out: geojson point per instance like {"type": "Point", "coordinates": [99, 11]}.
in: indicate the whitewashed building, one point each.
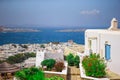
{"type": "Point", "coordinates": [105, 42]}
{"type": "Point", "coordinates": [46, 54]}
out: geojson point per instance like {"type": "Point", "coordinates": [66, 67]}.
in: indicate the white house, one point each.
{"type": "Point", "coordinates": [58, 55]}
{"type": "Point", "coordinates": [105, 42]}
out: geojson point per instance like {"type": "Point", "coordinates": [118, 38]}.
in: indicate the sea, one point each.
{"type": "Point", "coordinates": [45, 36]}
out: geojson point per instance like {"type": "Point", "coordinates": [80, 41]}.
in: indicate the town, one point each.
{"type": "Point", "coordinates": [8, 50]}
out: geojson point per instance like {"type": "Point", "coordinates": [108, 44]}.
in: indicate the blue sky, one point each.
{"type": "Point", "coordinates": [59, 12]}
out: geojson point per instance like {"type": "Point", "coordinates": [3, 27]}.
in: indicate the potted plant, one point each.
{"type": "Point", "coordinates": [70, 59]}
{"type": "Point", "coordinates": [73, 60]}
{"type": "Point", "coordinates": [59, 66]}
{"type": "Point", "coordinates": [49, 63]}
{"type": "Point", "coordinates": [94, 66]}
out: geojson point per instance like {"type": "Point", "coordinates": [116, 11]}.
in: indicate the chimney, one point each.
{"type": "Point", "coordinates": [114, 24]}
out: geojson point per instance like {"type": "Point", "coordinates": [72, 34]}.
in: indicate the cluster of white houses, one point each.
{"type": "Point", "coordinates": [100, 41]}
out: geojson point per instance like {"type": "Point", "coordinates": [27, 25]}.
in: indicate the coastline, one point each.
{"type": "Point", "coordinates": [71, 30]}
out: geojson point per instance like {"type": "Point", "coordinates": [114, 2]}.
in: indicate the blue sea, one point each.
{"type": "Point", "coordinates": [47, 35]}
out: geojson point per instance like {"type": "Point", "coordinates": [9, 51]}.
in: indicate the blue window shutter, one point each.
{"type": "Point", "coordinates": [107, 51]}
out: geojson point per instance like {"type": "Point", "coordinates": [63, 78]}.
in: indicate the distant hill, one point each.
{"type": "Point", "coordinates": [71, 30]}
{"type": "Point", "coordinates": [1, 28]}
{"type": "Point", "coordinates": [11, 29]}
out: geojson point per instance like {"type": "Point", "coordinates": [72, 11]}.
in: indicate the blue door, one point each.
{"type": "Point", "coordinates": [107, 52]}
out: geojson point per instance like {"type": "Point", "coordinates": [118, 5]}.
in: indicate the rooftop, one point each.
{"type": "Point", "coordinates": [103, 31]}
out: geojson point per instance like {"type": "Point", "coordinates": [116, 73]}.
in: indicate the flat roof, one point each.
{"type": "Point", "coordinates": [103, 31]}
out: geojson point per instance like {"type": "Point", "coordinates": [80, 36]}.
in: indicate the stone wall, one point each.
{"type": "Point", "coordinates": [56, 56]}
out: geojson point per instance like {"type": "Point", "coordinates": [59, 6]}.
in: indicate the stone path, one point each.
{"type": "Point", "coordinates": [74, 73]}
{"type": "Point", "coordinates": [113, 76]}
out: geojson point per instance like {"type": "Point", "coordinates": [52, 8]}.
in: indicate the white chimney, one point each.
{"type": "Point", "coordinates": [114, 24]}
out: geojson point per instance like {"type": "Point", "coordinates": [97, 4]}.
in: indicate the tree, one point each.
{"type": "Point", "coordinates": [42, 46]}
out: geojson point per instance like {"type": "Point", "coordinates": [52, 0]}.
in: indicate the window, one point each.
{"type": "Point", "coordinates": [92, 45]}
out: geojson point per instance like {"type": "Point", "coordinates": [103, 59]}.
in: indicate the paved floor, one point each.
{"type": "Point", "coordinates": [113, 76]}
{"type": "Point", "coordinates": [74, 73]}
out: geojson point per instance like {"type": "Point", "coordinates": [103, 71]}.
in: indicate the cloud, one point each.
{"type": "Point", "coordinates": [90, 12]}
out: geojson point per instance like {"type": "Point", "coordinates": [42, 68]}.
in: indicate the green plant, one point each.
{"type": "Point", "coordinates": [94, 66]}
{"type": "Point", "coordinates": [65, 57]}
{"type": "Point", "coordinates": [23, 46]}
{"type": "Point", "coordinates": [54, 78]}
{"type": "Point", "coordinates": [49, 63]}
{"type": "Point", "coordinates": [1, 61]}
{"type": "Point", "coordinates": [30, 74]}
{"type": "Point", "coordinates": [59, 66]}
{"type": "Point", "coordinates": [73, 61]}
{"type": "Point", "coordinates": [18, 58]}
{"type": "Point", "coordinates": [77, 61]}
{"type": "Point", "coordinates": [42, 46]}
{"type": "Point", "coordinates": [70, 59]}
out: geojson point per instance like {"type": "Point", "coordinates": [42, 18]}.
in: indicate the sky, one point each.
{"type": "Point", "coordinates": [57, 13]}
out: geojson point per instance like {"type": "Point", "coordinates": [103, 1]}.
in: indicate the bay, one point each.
{"type": "Point", "coordinates": [40, 37]}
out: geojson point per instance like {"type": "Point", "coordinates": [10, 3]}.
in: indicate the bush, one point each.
{"type": "Point", "coordinates": [42, 46]}
{"type": "Point", "coordinates": [77, 61]}
{"type": "Point", "coordinates": [18, 58]}
{"type": "Point", "coordinates": [49, 63]}
{"type": "Point", "coordinates": [59, 66]}
{"type": "Point", "coordinates": [70, 59]}
{"type": "Point", "coordinates": [30, 74]}
{"type": "Point", "coordinates": [94, 66]}
{"type": "Point", "coordinates": [54, 78]}
{"type": "Point", "coordinates": [65, 57]}
{"type": "Point", "coordinates": [1, 61]}
{"type": "Point", "coordinates": [73, 61]}
{"type": "Point", "coordinates": [23, 46]}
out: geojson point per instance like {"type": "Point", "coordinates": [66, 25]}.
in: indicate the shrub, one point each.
{"type": "Point", "coordinates": [73, 61]}
{"type": "Point", "coordinates": [49, 63]}
{"type": "Point", "coordinates": [94, 66]}
{"type": "Point", "coordinates": [54, 78]}
{"type": "Point", "coordinates": [70, 59]}
{"type": "Point", "coordinates": [77, 61]}
{"type": "Point", "coordinates": [59, 66]}
{"type": "Point", "coordinates": [23, 46]}
{"type": "Point", "coordinates": [30, 74]}
{"type": "Point", "coordinates": [42, 46]}
{"type": "Point", "coordinates": [65, 57]}
{"type": "Point", "coordinates": [18, 58]}
{"type": "Point", "coordinates": [1, 61]}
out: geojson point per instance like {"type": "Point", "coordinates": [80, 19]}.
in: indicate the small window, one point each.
{"type": "Point", "coordinates": [107, 51]}
{"type": "Point", "coordinates": [89, 44]}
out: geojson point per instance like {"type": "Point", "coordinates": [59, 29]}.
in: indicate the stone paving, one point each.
{"type": "Point", "coordinates": [74, 73]}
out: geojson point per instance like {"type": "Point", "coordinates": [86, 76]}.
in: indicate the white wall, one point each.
{"type": "Point", "coordinates": [88, 35]}
{"type": "Point", "coordinates": [41, 55]}
{"type": "Point", "coordinates": [113, 39]}
{"type": "Point", "coordinates": [56, 56]}
{"type": "Point", "coordinates": [39, 58]}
